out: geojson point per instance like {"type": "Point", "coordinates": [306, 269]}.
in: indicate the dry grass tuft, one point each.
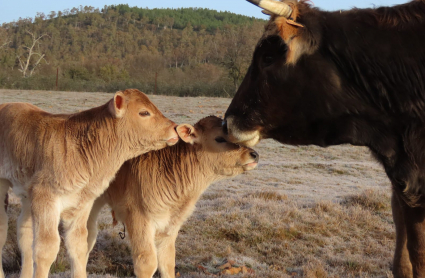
{"type": "Point", "coordinates": [270, 196]}
{"type": "Point", "coordinates": [315, 269]}
{"type": "Point", "coordinates": [371, 199]}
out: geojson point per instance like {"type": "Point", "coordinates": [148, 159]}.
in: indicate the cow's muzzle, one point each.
{"type": "Point", "coordinates": [236, 135]}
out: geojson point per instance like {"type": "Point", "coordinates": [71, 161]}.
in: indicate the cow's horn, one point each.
{"type": "Point", "coordinates": [266, 12]}
{"type": "Point", "coordinates": [277, 8]}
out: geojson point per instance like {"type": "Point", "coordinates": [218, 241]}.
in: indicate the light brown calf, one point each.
{"type": "Point", "coordinates": [59, 164]}
{"type": "Point", "coordinates": [155, 193]}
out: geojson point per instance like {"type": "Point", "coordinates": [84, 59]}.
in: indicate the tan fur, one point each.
{"type": "Point", "coordinates": [59, 164]}
{"type": "Point", "coordinates": [288, 30]}
{"type": "Point", "coordinates": [155, 193]}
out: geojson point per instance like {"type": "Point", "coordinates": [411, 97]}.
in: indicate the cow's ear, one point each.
{"type": "Point", "coordinates": [296, 35]}
{"type": "Point", "coordinates": [118, 105]}
{"type": "Point", "coordinates": [187, 133]}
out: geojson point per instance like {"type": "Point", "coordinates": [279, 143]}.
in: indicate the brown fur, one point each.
{"type": "Point", "coordinates": [59, 164]}
{"type": "Point", "coordinates": [387, 16]}
{"type": "Point", "coordinates": [155, 193]}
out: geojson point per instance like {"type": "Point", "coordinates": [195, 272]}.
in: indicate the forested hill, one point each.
{"type": "Point", "coordinates": [190, 51]}
{"type": "Point", "coordinates": [199, 18]}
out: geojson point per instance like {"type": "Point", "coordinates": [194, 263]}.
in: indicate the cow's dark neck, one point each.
{"type": "Point", "coordinates": [379, 55]}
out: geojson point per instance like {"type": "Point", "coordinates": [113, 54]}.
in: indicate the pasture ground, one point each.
{"type": "Point", "coordinates": [304, 212]}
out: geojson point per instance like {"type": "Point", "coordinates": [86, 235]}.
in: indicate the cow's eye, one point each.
{"type": "Point", "coordinates": [144, 114]}
{"type": "Point", "coordinates": [268, 60]}
{"type": "Point", "coordinates": [220, 140]}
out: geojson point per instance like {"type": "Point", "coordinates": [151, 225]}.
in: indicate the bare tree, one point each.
{"type": "Point", "coordinates": [26, 62]}
{"type": "Point", "coordinates": [4, 39]}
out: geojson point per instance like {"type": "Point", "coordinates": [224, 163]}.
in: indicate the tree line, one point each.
{"type": "Point", "coordinates": [186, 52]}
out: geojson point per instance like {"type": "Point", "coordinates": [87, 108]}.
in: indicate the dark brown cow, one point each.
{"type": "Point", "coordinates": [357, 77]}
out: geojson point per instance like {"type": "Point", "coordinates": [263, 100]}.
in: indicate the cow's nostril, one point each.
{"type": "Point", "coordinates": [255, 155]}
{"type": "Point", "coordinates": [224, 125]}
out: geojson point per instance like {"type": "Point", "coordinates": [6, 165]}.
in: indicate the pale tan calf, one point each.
{"type": "Point", "coordinates": [59, 164]}
{"type": "Point", "coordinates": [155, 193]}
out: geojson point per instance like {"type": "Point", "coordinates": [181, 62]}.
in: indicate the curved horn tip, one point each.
{"type": "Point", "coordinates": [255, 2]}
{"type": "Point", "coordinates": [275, 7]}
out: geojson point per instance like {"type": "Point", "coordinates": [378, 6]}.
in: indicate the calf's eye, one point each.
{"type": "Point", "coordinates": [144, 114]}
{"type": "Point", "coordinates": [220, 140]}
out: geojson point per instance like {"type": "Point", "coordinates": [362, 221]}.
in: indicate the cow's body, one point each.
{"type": "Point", "coordinates": [155, 193]}
{"type": "Point", "coordinates": [59, 164]}
{"type": "Point", "coordinates": [41, 145]}
{"type": "Point", "coordinates": [354, 77]}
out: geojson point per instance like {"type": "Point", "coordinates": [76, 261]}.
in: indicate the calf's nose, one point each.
{"type": "Point", "coordinates": [174, 138]}
{"type": "Point", "coordinates": [255, 155]}
{"type": "Point", "coordinates": [224, 125]}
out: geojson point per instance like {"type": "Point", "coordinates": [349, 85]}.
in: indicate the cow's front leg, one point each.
{"type": "Point", "coordinates": [402, 268]}
{"type": "Point", "coordinates": [142, 238]}
{"type": "Point", "coordinates": [76, 240]}
{"type": "Point", "coordinates": [414, 219]}
{"type": "Point", "coordinates": [167, 254]}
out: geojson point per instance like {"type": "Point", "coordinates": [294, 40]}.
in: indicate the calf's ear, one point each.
{"type": "Point", "coordinates": [118, 105]}
{"type": "Point", "coordinates": [187, 133]}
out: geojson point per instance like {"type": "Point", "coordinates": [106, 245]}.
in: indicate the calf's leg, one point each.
{"type": "Point", "coordinates": [76, 241]}
{"type": "Point", "coordinates": [92, 222]}
{"type": "Point", "coordinates": [167, 255]}
{"type": "Point", "coordinates": [46, 216]}
{"type": "Point", "coordinates": [142, 238]}
{"type": "Point", "coordinates": [25, 238]}
{"type": "Point", "coordinates": [4, 187]}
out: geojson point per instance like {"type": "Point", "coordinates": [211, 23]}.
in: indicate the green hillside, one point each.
{"type": "Point", "coordinates": [199, 18]}
{"type": "Point", "coordinates": [188, 51]}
